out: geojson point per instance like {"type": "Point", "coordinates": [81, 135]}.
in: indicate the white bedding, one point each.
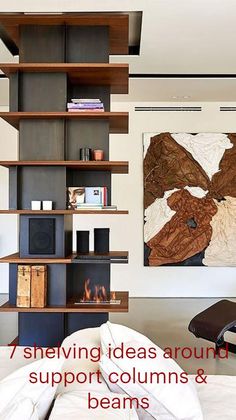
{"type": "Point", "coordinates": [218, 397]}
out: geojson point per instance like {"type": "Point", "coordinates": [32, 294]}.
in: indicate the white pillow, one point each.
{"type": "Point", "coordinates": [74, 405]}
{"type": "Point", "coordinates": [90, 339]}
{"type": "Point", "coordinates": [16, 387]}
{"type": "Point", "coordinates": [167, 401]}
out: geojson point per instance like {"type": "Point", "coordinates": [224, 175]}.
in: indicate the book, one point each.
{"type": "Point", "coordinates": [85, 100]}
{"type": "Point", "coordinates": [75, 196]}
{"type": "Point", "coordinates": [95, 195]}
{"type": "Point", "coordinates": [71, 105]}
{"type": "Point", "coordinates": [86, 197]}
{"type": "Point", "coordinates": [86, 110]}
{"type": "Point", "coordinates": [109, 207]}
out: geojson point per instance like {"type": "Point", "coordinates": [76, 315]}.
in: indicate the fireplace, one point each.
{"type": "Point", "coordinates": [95, 294]}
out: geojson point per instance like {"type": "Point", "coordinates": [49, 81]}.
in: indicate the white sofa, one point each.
{"type": "Point", "coordinates": [217, 397]}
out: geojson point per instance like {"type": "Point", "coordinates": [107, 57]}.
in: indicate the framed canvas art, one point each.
{"type": "Point", "coordinates": [189, 199]}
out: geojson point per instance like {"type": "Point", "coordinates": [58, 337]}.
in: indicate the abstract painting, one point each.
{"type": "Point", "coordinates": [189, 199]}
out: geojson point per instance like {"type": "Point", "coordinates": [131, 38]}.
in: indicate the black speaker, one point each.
{"type": "Point", "coordinates": [42, 236]}
{"type": "Point", "coordinates": [82, 237]}
{"type": "Point", "coordinates": [101, 240]}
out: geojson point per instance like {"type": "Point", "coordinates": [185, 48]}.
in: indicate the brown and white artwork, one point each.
{"type": "Point", "coordinates": [189, 199]}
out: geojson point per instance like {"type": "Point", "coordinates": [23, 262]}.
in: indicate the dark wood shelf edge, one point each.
{"type": "Point", "coordinates": [113, 255]}
{"type": "Point", "coordinates": [116, 167]}
{"type": "Point", "coordinates": [72, 308]}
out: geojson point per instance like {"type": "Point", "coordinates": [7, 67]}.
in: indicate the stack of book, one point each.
{"type": "Point", "coordinates": [85, 105]}
{"type": "Point", "coordinates": [88, 198]}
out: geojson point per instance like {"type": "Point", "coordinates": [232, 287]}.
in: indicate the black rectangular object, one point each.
{"type": "Point", "coordinates": [42, 44]}
{"type": "Point", "coordinates": [101, 240]}
{"type": "Point", "coordinates": [63, 236]}
{"type": "Point", "coordinates": [42, 236]}
{"type": "Point", "coordinates": [87, 44]}
{"type": "Point", "coordinates": [14, 188]}
{"type": "Point", "coordinates": [82, 241]}
{"type": "Point", "coordinates": [98, 274]}
{"type": "Point", "coordinates": [41, 329]}
{"type": "Point", "coordinates": [75, 322]}
{"type": "Point", "coordinates": [12, 283]}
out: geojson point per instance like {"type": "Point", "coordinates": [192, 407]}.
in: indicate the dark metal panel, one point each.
{"type": "Point", "coordinates": [42, 183]}
{"type": "Point", "coordinates": [12, 283]}
{"type": "Point", "coordinates": [87, 44]}
{"type": "Point", "coordinates": [41, 139]}
{"type": "Point", "coordinates": [86, 91]}
{"type": "Point", "coordinates": [14, 92]}
{"type": "Point", "coordinates": [13, 188]}
{"type": "Point", "coordinates": [41, 329]}
{"type": "Point", "coordinates": [43, 92]}
{"type": "Point", "coordinates": [75, 322]}
{"type": "Point", "coordinates": [42, 44]}
{"type": "Point", "coordinates": [59, 241]}
{"type": "Point", "coordinates": [92, 133]}
{"type": "Point", "coordinates": [90, 179]}
{"type": "Point", "coordinates": [56, 294]}
{"type": "Point", "coordinates": [68, 230]}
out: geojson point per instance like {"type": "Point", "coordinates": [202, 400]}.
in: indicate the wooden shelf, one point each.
{"type": "Point", "coordinates": [117, 167]}
{"type": "Point", "coordinates": [15, 259]}
{"type": "Point", "coordinates": [112, 255]}
{"type": "Point", "coordinates": [118, 25]}
{"type": "Point", "coordinates": [118, 121]}
{"type": "Point", "coordinates": [114, 75]}
{"type": "Point", "coordinates": [71, 307]}
{"type": "Point", "coordinates": [55, 212]}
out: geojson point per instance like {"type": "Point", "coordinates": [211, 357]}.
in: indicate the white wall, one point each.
{"type": "Point", "coordinates": [127, 231]}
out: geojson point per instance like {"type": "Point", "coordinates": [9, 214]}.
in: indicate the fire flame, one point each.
{"type": "Point", "coordinates": [98, 294]}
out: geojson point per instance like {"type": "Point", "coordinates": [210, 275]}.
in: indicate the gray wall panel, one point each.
{"type": "Point", "coordinates": [41, 139]}
{"type": "Point", "coordinates": [87, 44]}
{"type": "Point", "coordinates": [43, 92]}
{"type": "Point", "coordinates": [42, 44]}
{"type": "Point", "coordinates": [42, 183]}
{"type": "Point", "coordinates": [92, 133]}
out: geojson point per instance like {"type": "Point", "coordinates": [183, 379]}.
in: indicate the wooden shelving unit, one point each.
{"type": "Point", "coordinates": [93, 74]}
{"type": "Point", "coordinates": [72, 307]}
{"type": "Point", "coordinates": [118, 121]}
{"type": "Point", "coordinates": [51, 71]}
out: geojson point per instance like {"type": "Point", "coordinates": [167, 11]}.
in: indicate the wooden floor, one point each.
{"type": "Point", "coordinates": [164, 321]}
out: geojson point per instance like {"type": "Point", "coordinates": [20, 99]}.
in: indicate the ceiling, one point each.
{"type": "Point", "coordinates": [185, 37]}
